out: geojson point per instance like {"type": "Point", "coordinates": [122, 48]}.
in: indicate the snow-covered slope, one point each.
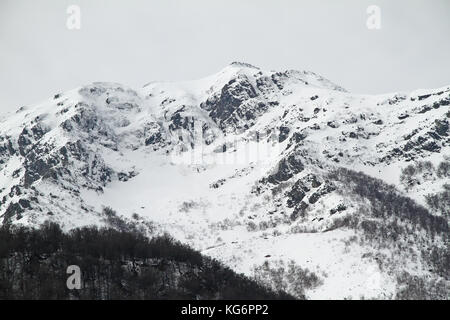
{"type": "Point", "coordinates": [249, 166]}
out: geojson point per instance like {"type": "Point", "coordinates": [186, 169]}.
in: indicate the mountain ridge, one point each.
{"type": "Point", "coordinates": [241, 159]}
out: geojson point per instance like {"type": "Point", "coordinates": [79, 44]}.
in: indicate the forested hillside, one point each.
{"type": "Point", "coordinates": [114, 265]}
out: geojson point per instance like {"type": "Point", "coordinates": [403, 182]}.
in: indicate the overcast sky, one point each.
{"type": "Point", "coordinates": [134, 42]}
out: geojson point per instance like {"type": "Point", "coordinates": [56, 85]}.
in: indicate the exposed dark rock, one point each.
{"type": "Point", "coordinates": [378, 122]}
{"type": "Point", "coordinates": [296, 138]}
{"type": "Point", "coordinates": [332, 124]}
{"type": "Point", "coordinates": [284, 133]}
{"type": "Point", "coordinates": [339, 208]}
{"type": "Point", "coordinates": [299, 211]}
{"type": "Point", "coordinates": [14, 210]}
{"type": "Point", "coordinates": [287, 168]}
{"type": "Point", "coordinates": [314, 197]}
{"type": "Point", "coordinates": [36, 170]}
{"type": "Point", "coordinates": [297, 193]}
{"type": "Point", "coordinates": [425, 96]}
{"type": "Point", "coordinates": [24, 203]}
{"type": "Point", "coordinates": [236, 101]}
{"type": "Point", "coordinates": [425, 109]}
{"type": "Point", "coordinates": [431, 146]}
{"type": "Point", "coordinates": [325, 189]}
{"type": "Point", "coordinates": [442, 127]}
{"type": "Point", "coordinates": [125, 176]}
{"type": "Point", "coordinates": [153, 139]}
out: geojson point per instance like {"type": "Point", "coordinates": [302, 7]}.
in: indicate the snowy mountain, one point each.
{"type": "Point", "coordinates": [269, 172]}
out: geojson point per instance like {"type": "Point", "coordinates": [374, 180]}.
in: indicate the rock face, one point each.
{"type": "Point", "coordinates": [233, 160]}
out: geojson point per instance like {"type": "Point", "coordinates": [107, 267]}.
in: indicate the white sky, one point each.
{"type": "Point", "coordinates": [134, 42]}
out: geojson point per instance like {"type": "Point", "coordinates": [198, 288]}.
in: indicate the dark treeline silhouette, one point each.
{"type": "Point", "coordinates": [393, 216]}
{"type": "Point", "coordinates": [440, 201]}
{"type": "Point", "coordinates": [387, 202]}
{"type": "Point", "coordinates": [114, 265]}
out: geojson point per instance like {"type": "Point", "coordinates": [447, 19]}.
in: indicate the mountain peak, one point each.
{"type": "Point", "coordinates": [243, 65]}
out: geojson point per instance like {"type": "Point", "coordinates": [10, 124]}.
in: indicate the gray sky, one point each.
{"type": "Point", "coordinates": [134, 42]}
